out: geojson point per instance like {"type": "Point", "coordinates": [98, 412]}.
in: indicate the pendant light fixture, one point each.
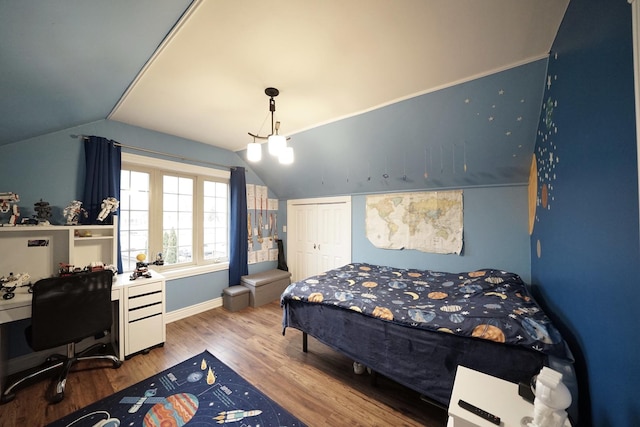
{"type": "Point", "coordinates": [254, 151]}
{"type": "Point", "coordinates": [277, 144]}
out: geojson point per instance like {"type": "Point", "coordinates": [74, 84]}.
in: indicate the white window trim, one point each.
{"type": "Point", "coordinates": [174, 166]}
{"type": "Point", "coordinates": [155, 163]}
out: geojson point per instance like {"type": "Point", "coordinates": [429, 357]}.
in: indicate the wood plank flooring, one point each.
{"type": "Point", "coordinates": [318, 387]}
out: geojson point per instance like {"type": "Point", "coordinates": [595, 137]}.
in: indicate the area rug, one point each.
{"type": "Point", "coordinates": [201, 391]}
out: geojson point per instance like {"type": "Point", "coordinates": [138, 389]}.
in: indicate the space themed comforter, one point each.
{"type": "Point", "coordinates": [484, 304]}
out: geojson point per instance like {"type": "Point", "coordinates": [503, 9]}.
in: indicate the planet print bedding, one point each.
{"type": "Point", "coordinates": [485, 304]}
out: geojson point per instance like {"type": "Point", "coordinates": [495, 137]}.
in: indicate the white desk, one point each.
{"type": "Point", "coordinates": [122, 292]}
{"type": "Point", "coordinates": [19, 307]}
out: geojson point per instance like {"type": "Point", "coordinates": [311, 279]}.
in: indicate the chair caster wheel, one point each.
{"type": "Point", "coordinates": [57, 398]}
{"type": "Point", "coordinates": [6, 398]}
{"type": "Point", "coordinates": [117, 364]}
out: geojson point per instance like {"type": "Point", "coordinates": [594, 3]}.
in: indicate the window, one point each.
{"type": "Point", "coordinates": [174, 210]}
{"type": "Point", "coordinates": [177, 219]}
{"type": "Point", "coordinates": [134, 216]}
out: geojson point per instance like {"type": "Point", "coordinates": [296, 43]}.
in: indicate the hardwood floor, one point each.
{"type": "Point", "coordinates": [318, 387]}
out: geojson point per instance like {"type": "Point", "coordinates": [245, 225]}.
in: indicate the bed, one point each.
{"type": "Point", "coordinates": [416, 326]}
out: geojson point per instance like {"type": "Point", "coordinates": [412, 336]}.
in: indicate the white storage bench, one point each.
{"type": "Point", "coordinates": [266, 286]}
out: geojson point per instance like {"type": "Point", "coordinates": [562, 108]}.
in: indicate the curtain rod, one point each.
{"type": "Point", "coordinates": [146, 150]}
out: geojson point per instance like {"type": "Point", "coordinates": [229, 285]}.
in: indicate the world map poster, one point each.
{"type": "Point", "coordinates": [429, 221]}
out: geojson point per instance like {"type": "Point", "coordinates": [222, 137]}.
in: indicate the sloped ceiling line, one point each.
{"type": "Point", "coordinates": [330, 60]}
{"type": "Point", "coordinates": [165, 42]}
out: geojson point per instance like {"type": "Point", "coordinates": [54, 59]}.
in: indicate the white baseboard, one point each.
{"type": "Point", "coordinates": [182, 313]}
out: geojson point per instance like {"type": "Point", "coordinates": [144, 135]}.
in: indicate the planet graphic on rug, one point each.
{"type": "Point", "coordinates": [176, 411]}
{"type": "Point", "coordinates": [194, 377]}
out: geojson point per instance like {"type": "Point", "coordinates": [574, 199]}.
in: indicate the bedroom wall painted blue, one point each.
{"type": "Point", "coordinates": [495, 235]}
{"type": "Point", "coordinates": [588, 266]}
{"type": "Point", "coordinates": [51, 167]}
{"type": "Point", "coordinates": [477, 133]}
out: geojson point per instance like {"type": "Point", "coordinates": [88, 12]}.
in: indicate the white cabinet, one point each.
{"type": "Point", "coordinates": [319, 235]}
{"type": "Point", "coordinates": [143, 310]}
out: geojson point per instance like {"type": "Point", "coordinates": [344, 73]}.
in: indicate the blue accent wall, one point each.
{"type": "Point", "coordinates": [495, 235]}
{"type": "Point", "coordinates": [585, 250]}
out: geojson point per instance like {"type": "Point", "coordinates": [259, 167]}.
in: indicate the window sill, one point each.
{"type": "Point", "coordinates": [181, 273]}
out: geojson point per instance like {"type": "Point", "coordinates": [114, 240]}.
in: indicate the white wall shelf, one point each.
{"type": "Point", "coordinates": [39, 250]}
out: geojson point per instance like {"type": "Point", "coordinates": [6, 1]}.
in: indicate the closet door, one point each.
{"type": "Point", "coordinates": [303, 233]}
{"type": "Point", "coordinates": [319, 235]}
{"type": "Point", "coordinates": [334, 236]}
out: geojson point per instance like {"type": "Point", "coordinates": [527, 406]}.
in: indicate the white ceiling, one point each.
{"type": "Point", "coordinates": [330, 59]}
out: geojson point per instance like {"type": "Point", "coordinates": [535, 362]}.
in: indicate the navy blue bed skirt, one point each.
{"type": "Point", "coordinates": [423, 360]}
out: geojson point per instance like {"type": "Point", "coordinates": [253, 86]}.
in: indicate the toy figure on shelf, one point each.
{"type": "Point", "coordinates": [109, 205]}
{"type": "Point", "coordinates": [73, 211]}
{"type": "Point", "coordinates": [69, 269]}
{"type": "Point", "coordinates": [98, 266]}
{"type": "Point", "coordinates": [9, 203]}
{"type": "Point", "coordinates": [113, 269]}
{"type": "Point", "coordinates": [142, 268]}
{"type": "Point", "coordinates": [159, 260]}
{"type": "Point", "coordinates": [43, 212]}
{"type": "Point", "coordinates": [65, 269]}
{"type": "Point", "coordinates": [9, 284]}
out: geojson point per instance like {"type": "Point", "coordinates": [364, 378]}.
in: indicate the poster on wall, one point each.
{"type": "Point", "coordinates": [251, 196]}
{"type": "Point", "coordinates": [262, 224]}
{"type": "Point", "coordinates": [428, 221]}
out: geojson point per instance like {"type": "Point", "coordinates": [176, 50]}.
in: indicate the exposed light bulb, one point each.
{"type": "Point", "coordinates": [254, 152]}
{"type": "Point", "coordinates": [277, 143]}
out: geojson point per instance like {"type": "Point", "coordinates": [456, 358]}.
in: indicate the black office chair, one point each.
{"type": "Point", "coordinates": [64, 311]}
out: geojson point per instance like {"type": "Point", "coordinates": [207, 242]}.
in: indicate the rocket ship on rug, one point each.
{"type": "Point", "coordinates": [235, 415]}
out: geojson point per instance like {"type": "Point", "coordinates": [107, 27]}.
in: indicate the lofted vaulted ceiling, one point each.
{"type": "Point", "coordinates": [198, 70]}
